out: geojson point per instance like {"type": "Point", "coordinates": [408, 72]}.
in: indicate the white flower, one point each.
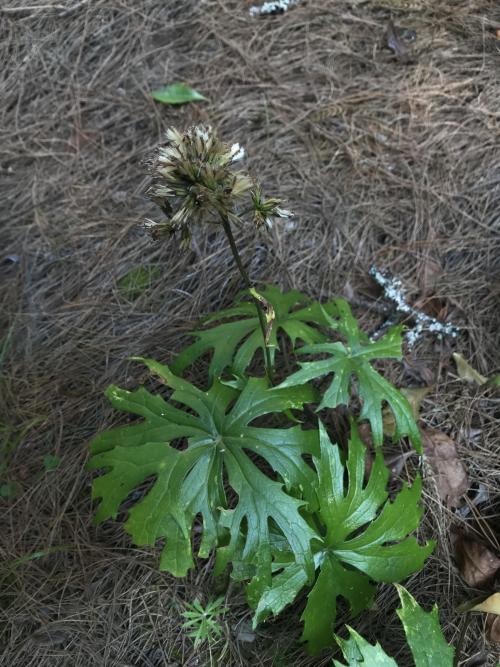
{"type": "Point", "coordinates": [237, 152]}
{"type": "Point", "coordinates": [283, 213]}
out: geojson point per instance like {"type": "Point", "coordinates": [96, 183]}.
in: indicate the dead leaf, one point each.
{"type": "Point", "coordinates": [431, 272]}
{"type": "Point", "coordinates": [415, 396]}
{"type": "Point", "coordinates": [395, 44]}
{"type": "Point", "coordinates": [449, 473]}
{"type": "Point", "coordinates": [475, 561]}
{"type": "Point", "coordinates": [396, 462]}
{"type": "Point", "coordinates": [490, 605]}
{"type": "Point", "coordinates": [466, 372]}
{"type": "Point", "coordinates": [269, 313]}
{"type": "Point", "coordinates": [51, 635]}
{"type": "Point", "coordinates": [421, 370]}
{"type": "Point", "coordinates": [492, 628]}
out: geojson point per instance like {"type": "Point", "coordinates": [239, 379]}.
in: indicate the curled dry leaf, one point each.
{"type": "Point", "coordinates": [477, 564]}
{"type": "Point", "coordinates": [493, 628]}
{"type": "Point", "coordinates": [270, 313]}
{"type": "Point", "coordinates": [466, 372]}
{"type": "Point", "coordinates": [449, 473]}
{"type": "Point", "coordinates": [395, 44]}
{"type": "Point", "coordinates": [491, 605]}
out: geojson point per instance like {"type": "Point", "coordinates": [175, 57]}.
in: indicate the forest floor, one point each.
{"type": "Point", "coordinates": [386, 159]}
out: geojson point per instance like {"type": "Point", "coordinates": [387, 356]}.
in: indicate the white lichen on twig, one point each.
{"type": "Point", "coordinates": [276, 7]}
{"type": "Point", "coordinates": [394, 290]}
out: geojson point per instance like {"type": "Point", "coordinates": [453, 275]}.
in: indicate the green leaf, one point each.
{"type": "Point", "coordinates": [177, 93]}
{"type": "Point", "coordinates": [221, 442]}
{"type": "Point", "coordinates": [423, 633]}
{"type": "Point", "coordinates": [365, 539]}
{"type": "Point", "coordinates": [51, 462]}
{"type": "Point", "coordinates": [353, 359]}
{"type": "Point", "coordinates": [137, 280]}
{"type": "Point", "coordinates": [357, 651]}
{"type": "Point", "coordinates": [235, 343]}
{"type": "Point", "coordinates": [9, 489]}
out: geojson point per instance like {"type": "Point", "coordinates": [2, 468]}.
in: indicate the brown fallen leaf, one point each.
{"type": "Point", "coordinates": [430, 274]}
{"type": "Point", "coordinates": [493, 628]}
{"type": "Point", "coordinates": [449, 473]}
{"type": "Point", "coordinates": [396, 462]}
{"type": "Point", "coordinates": [477, 564]}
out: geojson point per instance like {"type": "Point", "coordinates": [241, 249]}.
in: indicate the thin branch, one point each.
{"type": "Point", "coordinates": [394, 291]}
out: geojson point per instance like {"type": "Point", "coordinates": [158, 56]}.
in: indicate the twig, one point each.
{"type": "Point", "coordinates": [393, 290]}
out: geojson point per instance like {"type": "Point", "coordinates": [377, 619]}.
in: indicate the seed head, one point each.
{"type": "Point", "coordinates": [194, 180]}
{"type": "Point", "coordinates": [264, 210]}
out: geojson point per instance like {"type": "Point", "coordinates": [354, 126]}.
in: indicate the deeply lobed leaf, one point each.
{"type": "Point", "coordinates": [190, 482]}
{"type": "Point", "coordinates": [353, 359]}
{"type": "Point", "coordinates": [235, 343]}
{"type": "Point", "coordinates": [364, 539]}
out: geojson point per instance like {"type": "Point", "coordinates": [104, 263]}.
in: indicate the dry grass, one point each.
{"type": "Point", "coordinates": [383, 162]}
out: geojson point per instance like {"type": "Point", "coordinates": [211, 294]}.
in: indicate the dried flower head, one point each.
{"type": "Point", "coordinates": [194, 180]}
{"type": "Point", "coordinates": [264, 210]}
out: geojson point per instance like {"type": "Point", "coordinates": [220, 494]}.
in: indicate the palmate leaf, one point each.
{"type": "Point", "coordinates": [365, 540]}
{"type": "Point", "coordinates": [423, 633]}
{"type": "Point", "coordinates": [353, 359]}
{"type": "Point", "coordinates": [189, 482]}
{"type": "Point", "coordinates": [235, 343]}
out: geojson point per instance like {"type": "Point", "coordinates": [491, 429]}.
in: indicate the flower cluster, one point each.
{"type": "Point", "coordinates": [264, 210]}
{"type": "Point", "coordinates": [194, 181]}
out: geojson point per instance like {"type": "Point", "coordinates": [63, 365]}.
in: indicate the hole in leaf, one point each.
{"type": "Point", "coordinates": [179, 443]}
{"type": "Point", "coordinates": [260, 462]}
{"type": "Point", "coordinates": [135, 496]}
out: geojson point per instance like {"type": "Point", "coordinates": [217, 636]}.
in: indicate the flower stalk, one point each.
{"type": "Point", "coordinates": [195, 181]}
{"type": "Point", "coordinates": [246, 278]}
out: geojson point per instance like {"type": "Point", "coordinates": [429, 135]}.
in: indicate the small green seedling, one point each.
{"type": "Point", "coordinates": [138, 280]}
{"type": "Point", "coordinates": [51, 462]}
{"type": "Point", "coordinates": [203, 624]}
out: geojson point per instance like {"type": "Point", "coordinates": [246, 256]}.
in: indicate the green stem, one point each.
{"type": "Point", "coordinates": [248, 283]}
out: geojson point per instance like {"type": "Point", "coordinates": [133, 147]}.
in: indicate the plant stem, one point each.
{"type": "Point", "coordinates": [248, 283]}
